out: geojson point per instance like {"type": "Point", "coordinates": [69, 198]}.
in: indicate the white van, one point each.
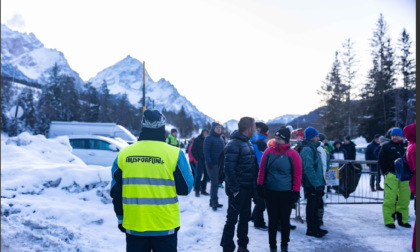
{"type": "Point", "coordinates": [113, 130]}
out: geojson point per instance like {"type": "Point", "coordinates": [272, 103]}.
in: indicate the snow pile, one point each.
{"type": "Point", "coordinates": [52, 201]}
{"type": "Point", "coordinates": [360, 141]}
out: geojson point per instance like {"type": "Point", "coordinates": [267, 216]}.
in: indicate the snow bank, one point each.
{"type": "Point", "coordinates": [52, 201]}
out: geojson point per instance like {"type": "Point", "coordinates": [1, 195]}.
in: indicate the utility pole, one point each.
{"type": "Point", "coordinates": [144, 95]}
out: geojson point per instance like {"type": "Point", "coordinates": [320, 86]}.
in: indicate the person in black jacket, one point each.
{"type": "Point", "coordinates": [213, 147]}
{"type": "Point", "coordinates": [372, 154]}
{"type": "Point", "coordinates": [393, 186]}
{"type": "Point", "coordinates": [350, 148]}
{"type": "Point", "coordinates": [241, 171]}
{"type": "Point", "coordinates": [201, 177]}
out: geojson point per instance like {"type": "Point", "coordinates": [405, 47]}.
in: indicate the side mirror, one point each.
{"type": "Point", "coordinates": [113, 147]}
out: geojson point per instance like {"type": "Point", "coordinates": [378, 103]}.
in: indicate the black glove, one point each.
{"type": "Point", "coordinates": [320, 191]}
{"type": "Point", "coordinates": [295, 196]}
{"type": "Point", "coordinates": [261, 191]}
{"type": "Point", "coordinates": [120, 227]}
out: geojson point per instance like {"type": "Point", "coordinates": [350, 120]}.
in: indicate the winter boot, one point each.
{"type": "Point", "coordinates": [273, 250]}
{"type": "Point", "coordinates": [240, 249]}
{"type": "Point", "coordinates": [323, 231]}
{"type": "Point", "coordinates": [283, 249]}
{"type": "Point", "coordinates": [262, 227]}
{"type": "Point", "coordinates": [203, 192]}
{"type": "Point", "coordinates": [400, 222]}
{"type": "Point", "coordinates": [197, 193]}
{"type": "Point", "coordinates": [314, 233]}
{"type": "Point", "coordinates": [391, 225]}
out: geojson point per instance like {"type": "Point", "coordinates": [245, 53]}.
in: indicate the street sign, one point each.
{"type": "Point", "coordinates": [12, 111]}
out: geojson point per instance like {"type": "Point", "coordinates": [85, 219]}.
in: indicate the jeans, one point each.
{"type": "Point", "coordinates": [213, 173]}
{"type": "Point", "coordinates": [239, 206]}
{"type": "Point", "coordinates": [200, 182]}
{"type": "Point", "coordinates": [165, 243]}
{"type": "Point", "coordinates": [374, 175]}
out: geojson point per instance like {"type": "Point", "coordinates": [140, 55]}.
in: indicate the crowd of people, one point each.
{"type": "Point", "coordinates": [254, 168]}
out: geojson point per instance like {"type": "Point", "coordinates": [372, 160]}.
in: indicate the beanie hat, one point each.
{"type": "Point", "coordinates": [262, 126]}
{"type": "Point", "coordinates": [153, 119]}
{"type": "Point", "coordinates": [397, 131]}
{"type": "Point", "coordinates": [290, 128]}
{"type": "Point", "coordinates": [310, 133]}
{"type": "Point", "coordinates": [376, 136]}
{"type": "Point", "coordinates": [347, 138]}
{"type": "Point", "coordinates": [153, 126]}
{"type": "Point", "coordinates": [173, 130]}
{"type": "Point", "coordinates": [322, 137]}
{"type": "Point", "coordinates": [283, 133]}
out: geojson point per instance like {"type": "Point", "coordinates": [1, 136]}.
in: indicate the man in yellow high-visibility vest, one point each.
{"type": "Point", "coordinates": [147, 176]}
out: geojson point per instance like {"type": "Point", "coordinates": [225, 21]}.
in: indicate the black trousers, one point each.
{"type": "Point", "coordinates": [279, 208]}
{"type": "Point", "coordinates": [166, 243]}
{"type": "Point", "coordinates": [313, 203]}
{"type": "Point", "coordinates": [201, 177]}
{"type": "Point", "coordinates": [258, 211]}
{"type": "Point", "coordinates": [239, 206]}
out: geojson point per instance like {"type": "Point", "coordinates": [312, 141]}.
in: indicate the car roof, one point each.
{"type": "Point", "coordinates": [98, 137]}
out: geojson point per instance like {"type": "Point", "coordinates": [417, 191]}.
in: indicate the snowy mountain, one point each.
{"type": "Point", "coordinates": [231, 125]}
{"type": "Point", "coordinates": [24, 57]}
{"type": "Point", "coordinates": [284, 119]}
{"type": "Point", "coordinates": [126, 76]}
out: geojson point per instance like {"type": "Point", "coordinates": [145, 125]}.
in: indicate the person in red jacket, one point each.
{"type": "Point", "coordinates": [410, 134]}
{"type": "Point", "coordinates": [279, 181]}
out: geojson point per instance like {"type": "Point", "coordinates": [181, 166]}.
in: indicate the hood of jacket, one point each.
{"type": "Point", "coordinates": [213, 126]}
{"type": "Point", "coordinates": [410, 132]}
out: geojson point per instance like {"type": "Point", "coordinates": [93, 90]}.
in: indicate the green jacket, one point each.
{"type": "Point", "coordinates": [172, 141]}
{"type": "Point", "coordinates": [311, 165]}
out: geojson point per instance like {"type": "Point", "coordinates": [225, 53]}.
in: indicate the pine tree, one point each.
{"type": "Point", "coordinates": [49, 101]}
{"type": "Point", "coordinates": [5, 100]}
{"type": "Point", "coordinates": [69, 108]}
{"type": "Point", "coordinates": [378, 116]}
{"type": "Point", "coordinates": [105, 104]}
{"type": "Point", "coordinates": [334, 93]}
{"type": "Point", "coordinates": [30, 114]}
{"type": "Point", "coordinates": [407, 67]}
{"type": "Point", "coordinates": [348, 59]}
{"type": "Point", "coordinates": [89, 100]}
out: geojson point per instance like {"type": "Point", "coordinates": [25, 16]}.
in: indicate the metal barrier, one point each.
{"type": "Point", "coordinates": [362, 193]}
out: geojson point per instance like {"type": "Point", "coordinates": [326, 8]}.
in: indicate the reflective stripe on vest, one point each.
{"type": "Point", "coordinates": [150, 202]}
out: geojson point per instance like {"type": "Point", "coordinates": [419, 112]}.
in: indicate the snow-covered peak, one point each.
{"type": "Point", "coordinates": [126, 76]}
{"type": "Point", "coordinates": [23, 54]}
{"type": "Point", "coordinates": [284, 119]}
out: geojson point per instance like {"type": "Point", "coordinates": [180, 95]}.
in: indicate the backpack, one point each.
{"type": "Point", "coordinates": [402, 171]}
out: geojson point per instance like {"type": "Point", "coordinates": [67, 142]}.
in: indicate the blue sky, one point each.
{"type": "Point", "coordinates": [229, 58]}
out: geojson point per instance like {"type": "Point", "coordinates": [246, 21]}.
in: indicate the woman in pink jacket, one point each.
{"type": "Point", "coordinates": [279, 181]}
{"type": "Point", "coordinates": [410, 134]}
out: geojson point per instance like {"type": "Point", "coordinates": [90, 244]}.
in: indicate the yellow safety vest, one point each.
{"type": "Point", "coordinates": [150, 202]}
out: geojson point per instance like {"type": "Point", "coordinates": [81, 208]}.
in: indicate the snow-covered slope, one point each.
{"type": "Point", "coordinates": [284, 119]}
{"type": "Point", "coordinates": [24, 56]}
{"type": "Point", "coordinates": [126, 76]}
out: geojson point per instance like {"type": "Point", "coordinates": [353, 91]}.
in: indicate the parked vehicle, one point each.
{"type": "Point", "coordinates": [113, 130]}
{"type": "Point", "coordinates": [96, 150]}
